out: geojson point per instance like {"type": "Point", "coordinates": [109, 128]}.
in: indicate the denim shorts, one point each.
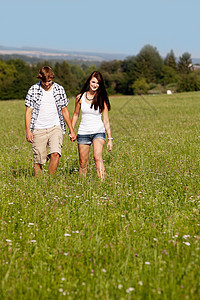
{"type": "Point", "coordinates": [87, 139]}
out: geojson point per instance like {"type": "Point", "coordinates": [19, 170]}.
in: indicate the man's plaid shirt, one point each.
{"type": "Point", "coordinates": [34, 97]}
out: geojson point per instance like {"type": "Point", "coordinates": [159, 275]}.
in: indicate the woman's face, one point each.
{"type": "Point", "coordinates": [94, 85]}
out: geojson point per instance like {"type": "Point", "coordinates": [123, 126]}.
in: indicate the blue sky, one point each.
{"type": "Point", "coordinates": [109, 26]}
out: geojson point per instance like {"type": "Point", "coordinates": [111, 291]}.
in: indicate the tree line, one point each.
{"type": "Point", "coordinates": [145, 73]}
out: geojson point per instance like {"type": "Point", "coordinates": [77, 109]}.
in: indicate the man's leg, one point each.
{"type": "Point", "coordinates": [39, 146]}
{"type": "Point", "coordinates": [54, 162]}
{"type": "Point", "coordinates": [55, 145]}
{"type": "Point", "coordinates": [37, 169]}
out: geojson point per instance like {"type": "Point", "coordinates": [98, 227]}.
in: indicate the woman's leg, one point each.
{"type": "Point", "coordinates": [97, 152]}
{"type": "Point", "coordinates": [83, 151]}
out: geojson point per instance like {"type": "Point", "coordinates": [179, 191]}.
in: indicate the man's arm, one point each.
{"type": "Point", "coordinates": [28, 114]}
{"type": "Point", "coordinates": [67, 119]}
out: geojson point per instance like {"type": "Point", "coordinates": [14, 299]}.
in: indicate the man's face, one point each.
{"type": "Point", "coordinates": [46, 85]}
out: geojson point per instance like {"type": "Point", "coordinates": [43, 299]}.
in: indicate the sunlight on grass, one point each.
{"type": "Point", "coordinates": [134, 236]}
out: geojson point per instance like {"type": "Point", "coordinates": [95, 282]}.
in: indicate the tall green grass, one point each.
{"type": "Point", "coordinates": [134, 236]}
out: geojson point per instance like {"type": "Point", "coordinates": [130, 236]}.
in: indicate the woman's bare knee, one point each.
{"type": "Point", "coordinates": [83, 164]}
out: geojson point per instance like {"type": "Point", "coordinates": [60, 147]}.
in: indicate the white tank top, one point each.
{"type": "Point", "coordinates": [90, 119]}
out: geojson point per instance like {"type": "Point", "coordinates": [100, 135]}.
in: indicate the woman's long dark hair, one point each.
{"type": "Point", "coordinates": [101, 96]}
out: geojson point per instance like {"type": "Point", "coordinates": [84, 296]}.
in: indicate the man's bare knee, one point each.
{"type": "Point", "coordinates": [54, 155]}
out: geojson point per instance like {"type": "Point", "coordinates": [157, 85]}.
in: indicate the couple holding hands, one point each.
{"type": "Point", "coordinates": [46, 114]}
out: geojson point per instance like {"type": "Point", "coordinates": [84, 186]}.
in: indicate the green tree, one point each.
{"type": "Point", "coordinates": [129, 76]}
{"type": "Point", "coordinates": [189, 82]}
{"type": "Point", "coordinates": [7, 70]}
{"type": "Point", "coordinates": [89, 70]}
{"type": "Point", "coordinates": [23, 79]}
{"type": "Point", "coordinates": [42, 64]}
{"type": "Point", "coordinates": [170, 60]}
{"type": "Point", "coordinates": [168, 75]}
{"type": "Point", "coordinates": [79, 76]}
{"type": "Point", "coordinates": [185, 63]}
{"type": "Point", "coordinates": [111, 67]}
{"type": "Point", "coordinates": [8, 74]}
{"type": "Point", "coordinates": [140, 86]}
{"type": "Point", "coordinates": [113, 76]}
{"type": "Point", "coordinates": [64, 76]}
{"type": "Point", "coordinates": [148, 64]}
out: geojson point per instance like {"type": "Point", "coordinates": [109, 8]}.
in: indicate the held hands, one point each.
{"type": "Point", "coordinates": [72, 136]}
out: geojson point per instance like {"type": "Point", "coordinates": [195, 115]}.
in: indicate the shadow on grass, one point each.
{"type": "Point", "coordinates": [70, 168]}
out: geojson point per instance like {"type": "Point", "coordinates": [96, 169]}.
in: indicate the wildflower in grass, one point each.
{"type": "Point", "coordinates": [155, 239]}
{"type": "Point", "coordinates": [33, 241]}
{"type": "Point", "coordinates": [63, 278]}
{"type": "Point", "coordinates": [176, 235]}
{"type": "Point", "coordinates": [67, 234]}
{"type": "Point", "coordinates": [123, 216]}
{"type": "Point", "coordinates": [186, 236]}
{"type": "Point", "coordinates": [140, 283]}
{"type": "Point", "coordinates": [31, 224]}
{"type": "Point", "coordinates": [103, 270]}
{"type": "Point", "coordinates": [65, 254]}
{"type": "Point", "coordinates": [131, 289]}
{"type": "Point", "coordinates": [186, 243]}
{"type": "Point", "coordinates": [164, 252]}
{"type": "Point", "coordinates": [120, 286]}
{"type": "Point", "coordinates": [159, 291]}
{"type": "Point", "coordinates": [60, 290]}
{"type": "Point", "coordinates": [147, 263]}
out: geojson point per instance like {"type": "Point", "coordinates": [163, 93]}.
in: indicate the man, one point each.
{"type": "Point", "coordinates": [45, 117]}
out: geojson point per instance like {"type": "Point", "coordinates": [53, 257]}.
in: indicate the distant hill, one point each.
{"type": "Point", "coordinates": [32, 55]}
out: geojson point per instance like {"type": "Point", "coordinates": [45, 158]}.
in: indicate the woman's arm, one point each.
{"type": "Point", "coordinates": [76, 111]}
{"type": "Point", "coordinates": [67, 119]}
{"type": "Point", "coordinates": [107, 127]}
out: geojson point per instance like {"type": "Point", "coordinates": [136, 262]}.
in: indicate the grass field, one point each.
{"type": "Point", "coordinates": [134, 236]}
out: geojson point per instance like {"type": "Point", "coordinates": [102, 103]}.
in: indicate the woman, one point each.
{"type": "Point", "coordinates": [92, 101]}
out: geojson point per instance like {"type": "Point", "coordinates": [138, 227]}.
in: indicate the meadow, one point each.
{"type": "Point", "coordinates": [134, 236]}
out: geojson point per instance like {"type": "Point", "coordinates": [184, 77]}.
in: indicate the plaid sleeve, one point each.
{"type": "Point", "coordinates": [29, 98]}
{"type": "Point", "coordinates": [63, 98]}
